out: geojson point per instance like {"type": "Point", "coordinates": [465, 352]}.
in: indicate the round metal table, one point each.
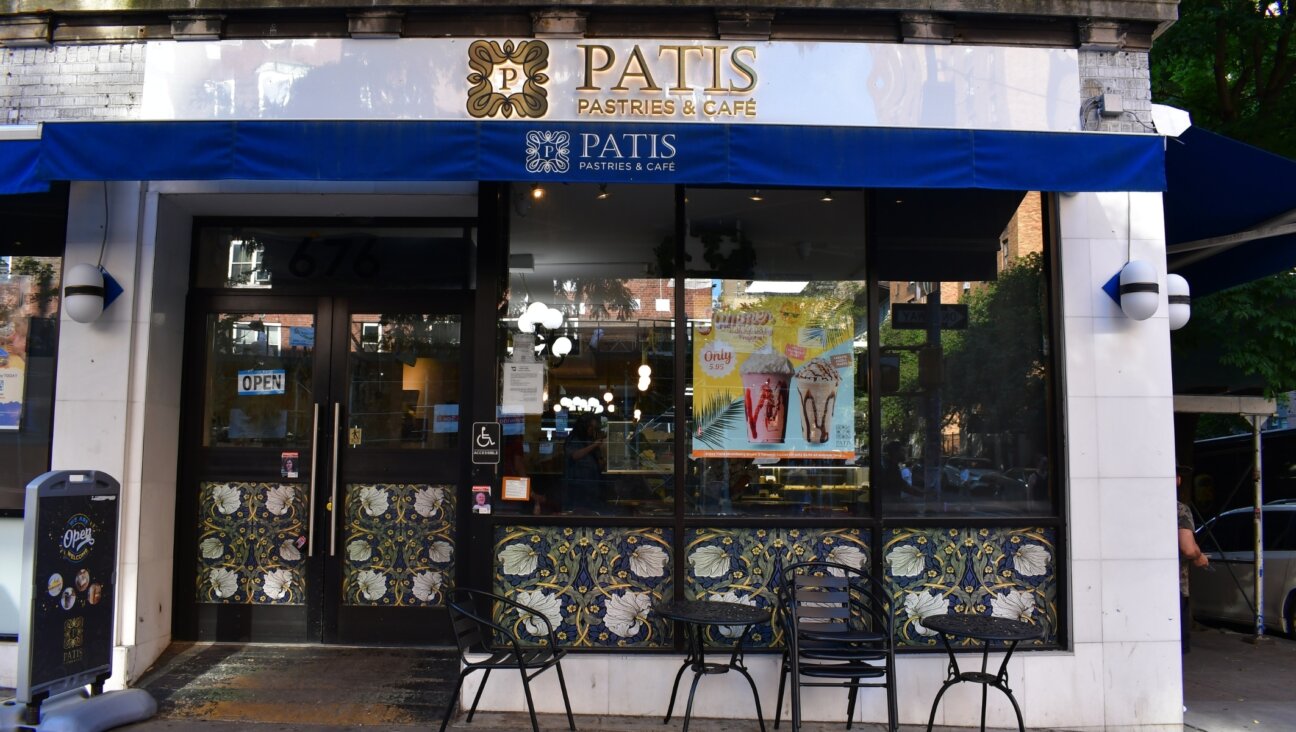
{"type": "Point", "coordinates": [696, 615]}
{"type": "Point", "coordinates": [986, 629]}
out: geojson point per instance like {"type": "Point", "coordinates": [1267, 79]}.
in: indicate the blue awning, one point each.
{"type": "Point", "coordinates": [1230, 211]}
{"type": "Point", "coordinates": [748, 155]}
{"type": "Point", "coordinates": [18, 159]}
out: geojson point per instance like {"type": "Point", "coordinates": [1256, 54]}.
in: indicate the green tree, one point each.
{"type": "Point", "coordinates": [1251, 329]}
{"type": "Point", "coordinates": [1231, 64]}
{"type": "Point", "coordinates": [994, 370]}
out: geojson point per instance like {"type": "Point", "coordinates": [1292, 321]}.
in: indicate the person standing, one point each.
{"type": "Point", "coordinates": [583, 471]}
{"type": "Point", "coordinates": [1189, 553]}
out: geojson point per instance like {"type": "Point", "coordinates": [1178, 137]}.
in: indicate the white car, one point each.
{"type": "Point", "coordinates": [1226, 590]}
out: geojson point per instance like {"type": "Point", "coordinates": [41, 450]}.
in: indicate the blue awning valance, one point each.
{"type": "Point", "coordinates": [748, 155]}
{"type": "Point", "coordinates": [18, 159]}
{"type": "Point", "coordinates": [1230, 211]}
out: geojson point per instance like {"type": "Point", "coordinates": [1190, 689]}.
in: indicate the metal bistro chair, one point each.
{"type": "Point", "coordinates": [474, 629]}
{"type": "Point", "coordinates": [838, 631]}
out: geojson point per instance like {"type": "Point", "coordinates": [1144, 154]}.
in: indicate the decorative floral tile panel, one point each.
{"type": "Point", "coordinates": [398, 544]}
{"type": "Point", "coordinates": [1007, 573]}
{"type": "Point", "coordinates": [597, 586]}
{"type": "Point", "coordinates": [251, 540]}
{"type": "Point", "coordinates": [743, 565]}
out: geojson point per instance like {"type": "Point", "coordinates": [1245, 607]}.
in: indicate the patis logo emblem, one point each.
{"type": "Point", "coordinates": [548, 151]}
{"type": "Point", "coordinates": [508, 79]}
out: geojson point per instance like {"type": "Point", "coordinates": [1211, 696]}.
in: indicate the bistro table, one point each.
{"type": "Point", "coordinates": [696, 615]}
{"type": "Point", "coordinates": [983, 628]}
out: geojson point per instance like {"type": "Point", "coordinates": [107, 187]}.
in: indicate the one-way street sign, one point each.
{"type": "Point", "coordinates": [914, 317]}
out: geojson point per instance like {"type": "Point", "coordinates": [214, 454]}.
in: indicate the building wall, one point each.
{"type": "Point", "coordinates": [103, 82]}
{"type": "Point", "coordinates": [1119, 72]}
{"type": "Point", "coordinates": [118, 409]}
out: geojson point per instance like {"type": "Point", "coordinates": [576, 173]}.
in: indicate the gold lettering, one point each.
{"type": "Point", "coordinates": [714, 87]}
{"type": "Point", "coordinates": [681, 65]}
{"type": "Point", "coordinates": [507, 77]}
{"type": "Point", "coordinates": [609, 58]}
{"type": "Point", "coordinates": [636, 58]}
{"type": "Point", "coordinates": [743, 69]}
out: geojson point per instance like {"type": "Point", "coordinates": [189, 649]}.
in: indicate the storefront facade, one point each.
{"type": "Point", "coordinates": [735, 300]}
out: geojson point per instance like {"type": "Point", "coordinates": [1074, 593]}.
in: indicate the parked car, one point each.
{"type": "Point", "coordinates": [1226, 591]}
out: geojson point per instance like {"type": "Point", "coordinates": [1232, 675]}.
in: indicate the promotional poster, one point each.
{"type": "Point", "coordinates": [775, 379]}
{"type": "Point", "coordinates": [14, 323]}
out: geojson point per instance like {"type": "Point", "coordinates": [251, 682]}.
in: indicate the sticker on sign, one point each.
{"type": "Point", "coordinates": [251, 383]}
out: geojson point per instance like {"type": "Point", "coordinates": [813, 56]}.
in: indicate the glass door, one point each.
{"type": "Point", "coordinates": [253, 484]}
{"type": "Point", "coordinates": [398, 388]}
{"type": "Point", "coordinates": [323, 470]}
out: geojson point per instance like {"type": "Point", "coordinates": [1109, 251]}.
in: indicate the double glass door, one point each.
{"type": "Point", "coordinates": [323, 469]}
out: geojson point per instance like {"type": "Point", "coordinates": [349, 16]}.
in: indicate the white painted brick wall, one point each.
{"type": "Point", "coordinates": [71, 83]}
{"type": "Point", "coordinates": [1121, 72]}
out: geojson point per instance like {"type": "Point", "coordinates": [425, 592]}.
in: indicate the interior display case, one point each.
{"type": "Point", "coordinates": [633, 447]}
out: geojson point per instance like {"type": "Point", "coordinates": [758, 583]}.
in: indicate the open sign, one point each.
{"type": "Point", "coordinates": [251, 383]}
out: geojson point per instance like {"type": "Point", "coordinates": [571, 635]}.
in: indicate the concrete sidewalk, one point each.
{"type": "Point", "coordinates": [1230, 684]}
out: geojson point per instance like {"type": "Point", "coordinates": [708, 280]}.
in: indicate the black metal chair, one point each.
{"type": "Point", "coordinates": [471, 613]}
{"type": "Point", "coordinates": [838, 630]}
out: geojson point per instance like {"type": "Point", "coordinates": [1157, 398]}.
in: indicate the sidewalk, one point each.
{"type": "Point", "coordinates": [1230, 684]}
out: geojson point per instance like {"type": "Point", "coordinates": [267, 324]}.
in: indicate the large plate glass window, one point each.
{"type": "Point", "coordinates": [587, 334]}
{"type": "Point", "coordinates": [777, 314]}
{"type": "Point", "coordinates": [965, 363]}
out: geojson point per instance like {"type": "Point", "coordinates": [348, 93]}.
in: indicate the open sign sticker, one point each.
{"type": "Point", "coordinates": [252, 383]}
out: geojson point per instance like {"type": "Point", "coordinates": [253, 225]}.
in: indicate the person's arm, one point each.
{"type": "Point", "coordinates": [1189, 550]}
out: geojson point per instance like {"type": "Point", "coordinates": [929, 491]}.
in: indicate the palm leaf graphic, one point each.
{"type": "Point", "coordinates": [713, 428]}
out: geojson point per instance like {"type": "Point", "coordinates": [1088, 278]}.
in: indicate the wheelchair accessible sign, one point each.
{"type": "Point", "coordinates": [486, 443]}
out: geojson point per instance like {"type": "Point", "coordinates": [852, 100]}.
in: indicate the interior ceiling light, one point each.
{"type": "Point", "coordinates": [603, 192]}
{"type": "Point", "coordinates": [827, 197]}
{"type": "Point", "coordinates": [756, 195]}
{"type": "Point", "coordinates": [537, 192]}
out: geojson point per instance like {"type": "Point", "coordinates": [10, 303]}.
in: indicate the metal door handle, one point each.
{"type": "Point", "coordinates": [310, 505]}
{"type": "Point", "coordinates": [332, 506]}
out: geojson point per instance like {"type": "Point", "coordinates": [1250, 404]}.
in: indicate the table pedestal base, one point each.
{"type": "Point", "coordinates": [696, 660]}
{"type": "Point", "coordinates": [998, 680]}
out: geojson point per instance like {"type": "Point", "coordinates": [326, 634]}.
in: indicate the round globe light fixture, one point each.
{"type": "Point", "coordinates": [1139, 293]}
{"type": "Point", "coordinates": [1180, 297]}
{"type": "Point", "coordinates": [83, 293]}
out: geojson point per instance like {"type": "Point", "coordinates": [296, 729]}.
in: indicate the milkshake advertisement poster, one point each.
{"type": "Point", "coordinates": [775, 379]}
{"type": "Point", "coordinates": [14, 322]}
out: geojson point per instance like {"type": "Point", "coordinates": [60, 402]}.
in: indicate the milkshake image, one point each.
{"type": "Point", "coordinates": [765, 379]}
{"type": "Point", "coordinates": [817, 383]}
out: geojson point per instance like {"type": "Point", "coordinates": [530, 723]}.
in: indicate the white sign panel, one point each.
{"type": "Point", "coordinates": [252, 383]}
{"type": "Point", "coordinates": [623, 80]}
{"type": "Point", "coordinates": [523, 391]}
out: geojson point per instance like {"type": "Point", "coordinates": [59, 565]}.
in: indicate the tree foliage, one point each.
{"type": "Point", "coordinates": [1252, 329]}
{"type": "Point", "coordinates": [1231, 64]}
{"type": "Point", "coordinates": [995, 369]}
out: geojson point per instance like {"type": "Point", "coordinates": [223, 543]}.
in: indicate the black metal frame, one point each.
{"type": "Point", "coordinates": [476, 632]}
{"type": "Point", "coordinates": [322, 621]}
{"type": "Point", "coordinates": [875, 522]}
{"type": "Point", "coordinates": [841, 621]}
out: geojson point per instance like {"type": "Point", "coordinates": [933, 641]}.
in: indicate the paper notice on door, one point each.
{"type": "Point", "coordinates": [523, 391]}
{"type": "Point", "coordinates": [516, 489]}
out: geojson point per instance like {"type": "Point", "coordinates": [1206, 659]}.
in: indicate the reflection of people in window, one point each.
{"type": "Point", "coordinates": [894, 484]}
{"type": "Point", "coordinates": [583, 470]}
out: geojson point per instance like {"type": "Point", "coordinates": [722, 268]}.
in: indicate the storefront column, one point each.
{"type": "Point", "coordinates": [117, 406]}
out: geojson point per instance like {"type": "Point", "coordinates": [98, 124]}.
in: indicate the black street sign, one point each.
{"type": "Point", "coordinates": [914, 317]}
{"type": "Point", "coordinates": [485, 443]}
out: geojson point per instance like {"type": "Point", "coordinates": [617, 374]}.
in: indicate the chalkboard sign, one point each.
{"type": "Point", "coordinates": [69, 582]}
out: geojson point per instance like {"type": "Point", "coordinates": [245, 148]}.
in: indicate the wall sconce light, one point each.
{"type": "Point", "coordinates": [1139, 293]}
{"type": "Point", "coordinates": [1135, 290]}
{"type": "Point", "coordinates": [537, 192]}
{"type": "Point", "coordinates": [1180, 301]}
{"type": "Point", "coordinates": [84, 293]}
{"type": "Point", "coordinates": [827, 197]}
{"type": "Point", "coordinates": [756, 195]}
{"type": "Point", "coordinates": [603, 192]}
